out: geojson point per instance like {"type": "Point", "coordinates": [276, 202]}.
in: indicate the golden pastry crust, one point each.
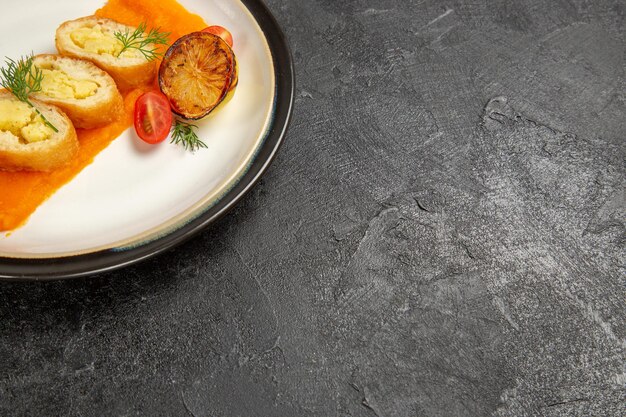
{"type": "Point", "coordinates": [46, 155]}
{"type": "Point", "coordinates": [101, 108]}
{"type": "Point", "coordinates": [127, 71]}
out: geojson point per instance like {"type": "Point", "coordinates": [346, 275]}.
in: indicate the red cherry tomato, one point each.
{"type": "Point", "coordinates": [153, 117]}
{"type": "Point", "coordinates": [221, 32]}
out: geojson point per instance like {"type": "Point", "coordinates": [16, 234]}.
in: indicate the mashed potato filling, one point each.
{"type": "Point", "coordinates": [95, 40]}
{"type": "Point", "coordinates": [58, 84]}
{"type": "Point", "coordinates": [20, 121]}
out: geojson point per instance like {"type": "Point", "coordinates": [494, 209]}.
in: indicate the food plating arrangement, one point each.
{"type": "Point", "coordinates": [159, 69]}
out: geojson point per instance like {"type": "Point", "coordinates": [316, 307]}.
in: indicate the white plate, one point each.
{"type": "Point", "coordinates": [134, 196]}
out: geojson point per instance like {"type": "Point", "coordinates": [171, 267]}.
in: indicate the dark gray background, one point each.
{"type": "Point", "coordinates": [442, 234]}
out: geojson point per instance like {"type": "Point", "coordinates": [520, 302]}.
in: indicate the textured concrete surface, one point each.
{"type": "Point", "coordinates": [441, 235]}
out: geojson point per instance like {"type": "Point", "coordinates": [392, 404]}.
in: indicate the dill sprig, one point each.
{"type": "Point", "coordinates": [144, 43]}
{"type": "Point", "coordinates": [22, 79]}
{"type": "Point", "coordinates": [184, 134]}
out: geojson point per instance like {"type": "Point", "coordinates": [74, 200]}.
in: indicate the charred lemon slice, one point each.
{"type": "Point", "coordinates": [235, 79]}
{"type": "Point", "coordinates": [196, 74]}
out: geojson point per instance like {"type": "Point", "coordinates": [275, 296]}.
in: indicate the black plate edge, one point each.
{"type": "Point", "coordinates": [17, 269]}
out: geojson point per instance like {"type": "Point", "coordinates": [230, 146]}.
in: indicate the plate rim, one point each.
{"type": "Point", "coordinates": [107, 260]}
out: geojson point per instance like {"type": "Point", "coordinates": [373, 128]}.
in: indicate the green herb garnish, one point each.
{"type": "Point", "coordinates": [183, 134]}
{"type": "Point", "coordinates": [22, 79]}
{"type": "Point", "coordinates": [146, 44]}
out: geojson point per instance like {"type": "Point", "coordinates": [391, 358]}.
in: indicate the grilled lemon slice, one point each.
{"type": "Point", "coordinates": [196, 74]}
